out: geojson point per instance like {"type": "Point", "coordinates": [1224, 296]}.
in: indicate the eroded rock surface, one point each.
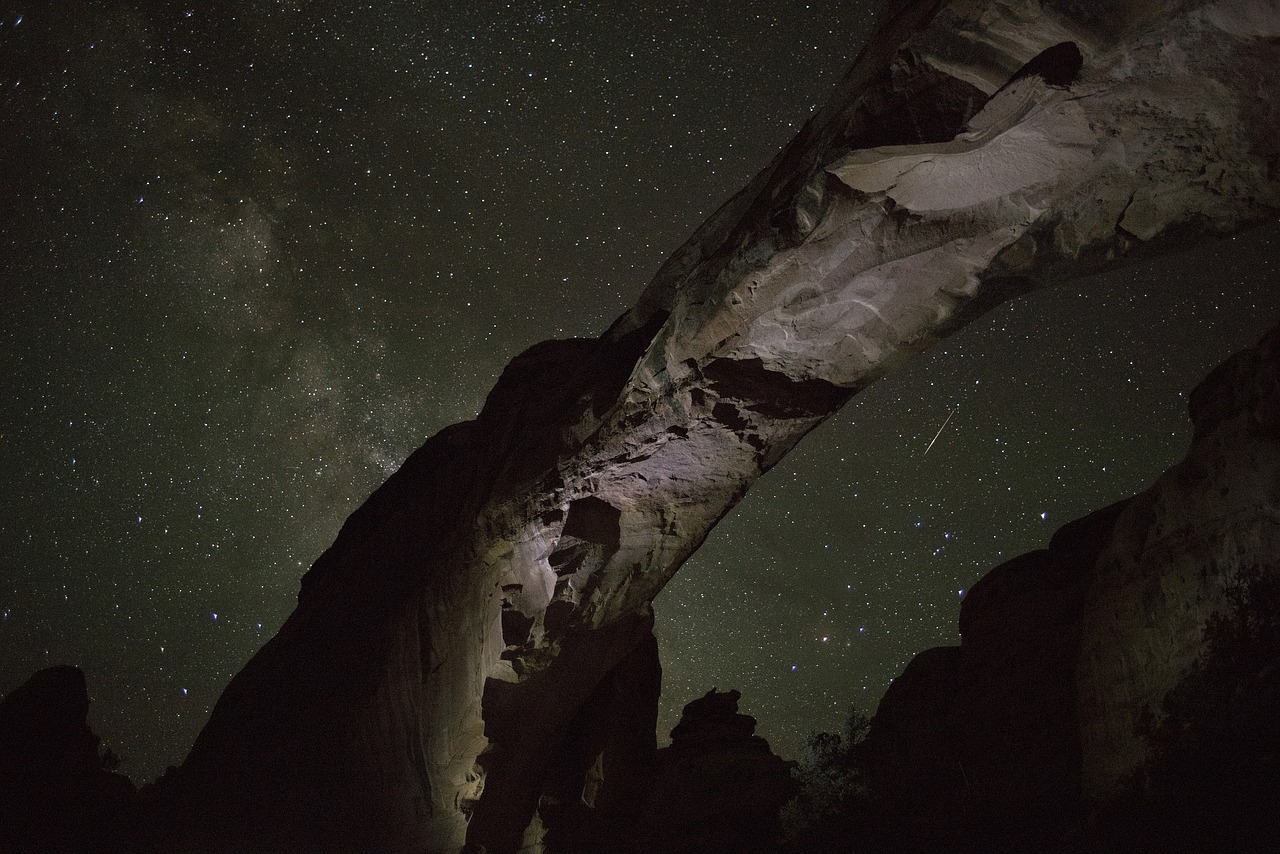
{"type": "Point", "coordinates": [444, 647]}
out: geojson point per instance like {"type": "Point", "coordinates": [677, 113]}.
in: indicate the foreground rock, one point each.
{"type": "Point", "coordinates": [55, 795]}
{"type": "Point", "coordinates": [1119, 690]}
{"type": "Point", "coordinates": [717, 788]}
{"type": "Point", "coordinates": [428, 688]}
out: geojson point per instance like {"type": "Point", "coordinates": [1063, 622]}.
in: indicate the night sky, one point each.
{"type": "Point", "coordinates": [252, 254]}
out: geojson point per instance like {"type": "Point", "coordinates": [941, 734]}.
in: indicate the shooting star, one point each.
{"type": "Point", "coordinates": [939, 433]}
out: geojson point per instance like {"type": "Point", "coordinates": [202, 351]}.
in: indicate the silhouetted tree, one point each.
{"type": "Point", "coordinates": [832, 779]}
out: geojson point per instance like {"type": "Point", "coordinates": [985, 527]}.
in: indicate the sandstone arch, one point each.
{"type": "Point", "coordinates": [444, 645]}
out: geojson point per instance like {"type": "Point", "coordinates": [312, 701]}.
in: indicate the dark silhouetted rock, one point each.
{"type": "Point", "coordinates": [979, 743]}
{"type": "Point", "coordinates": [1119, 691]}
{"type": "Point", "coordinates": [718, 787]}
{"type": "Point", "coordinates": [55, 796]}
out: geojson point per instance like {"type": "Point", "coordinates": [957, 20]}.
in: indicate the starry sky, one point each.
{"type": "Point", "coordinates": [253, 253]}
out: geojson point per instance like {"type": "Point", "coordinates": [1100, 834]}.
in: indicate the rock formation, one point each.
{"type": "Point", "coordinates": [717, 787]}
{"type": "Point", "coordinates": [427, 688]}
{"type": "Point", "coordinates": [55, 795]}
{"type": "Point", "coordinates": [979, 744]}
{"type": "Point", "coordinates": [1119, 690]}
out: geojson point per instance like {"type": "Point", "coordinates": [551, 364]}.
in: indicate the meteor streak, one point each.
{"type": "Point", "coordinates": [940, 429]}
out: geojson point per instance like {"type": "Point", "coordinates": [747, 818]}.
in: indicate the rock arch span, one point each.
{"type": "Point", "coordinates": [432, 678]}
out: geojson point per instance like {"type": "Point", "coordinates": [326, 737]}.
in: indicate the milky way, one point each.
{"type": "Point", "coordinates": [253, 254]}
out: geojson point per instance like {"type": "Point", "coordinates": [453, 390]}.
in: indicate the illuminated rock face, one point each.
{"type": "Point", "coordinates": [444, 645]}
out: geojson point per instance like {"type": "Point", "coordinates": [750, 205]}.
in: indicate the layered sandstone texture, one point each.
{"type": "Point", "coordinates": [425, 691]}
